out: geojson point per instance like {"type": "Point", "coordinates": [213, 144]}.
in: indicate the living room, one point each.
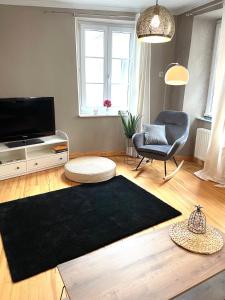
{"type": "Point", "coordinates": [112, 168]}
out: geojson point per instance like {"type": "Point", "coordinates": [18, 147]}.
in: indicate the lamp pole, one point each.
{"type": "Point", "coordinates": [165, 85]}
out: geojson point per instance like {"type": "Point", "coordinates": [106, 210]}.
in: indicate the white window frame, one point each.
{"type": "Point", "coordinates": [108, 28]}
{"type": "Point", "coordinates": [211, 90]}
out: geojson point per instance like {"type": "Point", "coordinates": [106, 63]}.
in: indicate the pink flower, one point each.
{"type": "Point", "coordinates": [107, 103]}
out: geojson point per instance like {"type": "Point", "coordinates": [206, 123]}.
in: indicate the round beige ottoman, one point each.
{"type": "Point", "coordinates": [90, 169]}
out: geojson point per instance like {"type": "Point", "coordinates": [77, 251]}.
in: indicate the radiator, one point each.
{"type": "Point", "coordinates": [202, 143]}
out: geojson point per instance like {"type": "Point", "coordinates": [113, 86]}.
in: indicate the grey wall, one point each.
{"type": "Point", "coordinates": [199, 66]}
{"type": "Point", "coordinates": [184, 26]}
{"type": "Point", "coordinates": [162, 55]}
{"type": "Point", "coordinates": [193, 49]}
{"type": "Point", "coordinates": [37, 58]}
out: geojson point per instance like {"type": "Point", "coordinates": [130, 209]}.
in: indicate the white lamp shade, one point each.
{"type": "Point", "coordinates": [177, 75]}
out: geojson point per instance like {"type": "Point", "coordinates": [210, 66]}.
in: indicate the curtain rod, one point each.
{"type": "Point", "coordinates": [93, 14]}
{"type": "Point", "coordinates": [214, 5]}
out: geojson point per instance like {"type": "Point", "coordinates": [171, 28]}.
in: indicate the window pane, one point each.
{"type": "Point", "coordinates": [120, 68]}
{"type": "Point", "coordinates": [119, 95]}
{"type": "Point", "coordinates": [120, 45]}
{"type": "Point", "coordinates": [94, 70]}
{"type": "Point", "coordinates": [94, 43]}
{"type": "Point", "coordinates": [94, 95]}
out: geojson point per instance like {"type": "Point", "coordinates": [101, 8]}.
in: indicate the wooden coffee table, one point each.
{"type": "Point", "coordinates": [147, 266]}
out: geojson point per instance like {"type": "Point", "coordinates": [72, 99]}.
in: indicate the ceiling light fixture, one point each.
{"type": "Point", "coordinates": [155, 25]}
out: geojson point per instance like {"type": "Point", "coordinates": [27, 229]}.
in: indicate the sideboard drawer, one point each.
{"type": "Point", "coordinates": [12, 169]}
{"type": "Point", "coordinates": [46, 162]}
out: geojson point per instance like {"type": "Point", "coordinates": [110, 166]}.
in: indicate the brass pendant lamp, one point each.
{"type": "Point", "coordinates": [155, 25]}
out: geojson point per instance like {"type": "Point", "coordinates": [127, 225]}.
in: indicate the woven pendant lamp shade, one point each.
{"type": "Point", "coordinates": [155, 25]}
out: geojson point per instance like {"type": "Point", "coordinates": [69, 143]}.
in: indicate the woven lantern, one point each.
{"type": "Point", "coordinates": [197, 221]}
{"type": "Point", "coordinates": [155, 25]}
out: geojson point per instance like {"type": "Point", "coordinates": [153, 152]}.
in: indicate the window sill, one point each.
{"type": "Point", "coordinates": [98, 116]}
{"type": "Point", "coordinates": [208, 120]}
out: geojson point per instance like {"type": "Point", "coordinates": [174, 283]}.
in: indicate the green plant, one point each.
{"type": "Point", "coordinates": [130, 123]}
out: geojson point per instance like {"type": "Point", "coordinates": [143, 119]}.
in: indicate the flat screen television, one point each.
{"type": "Point", "coordinates": [26, 118]}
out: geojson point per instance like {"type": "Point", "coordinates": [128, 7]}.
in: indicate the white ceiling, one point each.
{"type": "Point", "coordinates": [176, 6]}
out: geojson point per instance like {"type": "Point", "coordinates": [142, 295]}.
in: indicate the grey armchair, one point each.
{"type": "Point", "coordinates": [177, 131]}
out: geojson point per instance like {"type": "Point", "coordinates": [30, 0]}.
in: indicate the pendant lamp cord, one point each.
{"type": "Point", "coordinates": [157, 2]}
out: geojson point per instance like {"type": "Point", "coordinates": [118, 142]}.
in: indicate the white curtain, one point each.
{"type": "Point", "coordinates": [143, 107]}
{"type": "Point", "coordinates": [214, 167]}
{"type": "Point", "coordinates": [140, 83]}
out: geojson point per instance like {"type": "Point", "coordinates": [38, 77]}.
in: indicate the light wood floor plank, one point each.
{"type": "Point", "coordinates": [182, 192]}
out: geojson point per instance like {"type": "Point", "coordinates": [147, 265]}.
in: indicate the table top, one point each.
{"type": "Point", "coordinates": [146, 266]}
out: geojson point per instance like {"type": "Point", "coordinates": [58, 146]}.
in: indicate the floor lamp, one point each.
{"type": "Point", "coordinates": [176, 75]}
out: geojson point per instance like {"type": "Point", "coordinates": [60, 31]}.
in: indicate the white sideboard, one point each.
{"type": "Point", "coordinates": [33, 158]}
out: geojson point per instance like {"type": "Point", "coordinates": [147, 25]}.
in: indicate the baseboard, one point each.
{"type": "Point", "coordinates": [198, 161]}
{"type": "Point", "coordinates": [191, 159]}
{"type": "Point", "coordinates": [121, 153]}
{"type": "Point", "coordinates": [185, 157]}
{"type": "Point", "coordinates": [97, 153]}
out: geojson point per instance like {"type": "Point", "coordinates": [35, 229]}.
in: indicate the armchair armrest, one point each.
{"type": "Point", "coordinates": [138, 140]}
{"type": "Point", "coordinates": [177, 145]}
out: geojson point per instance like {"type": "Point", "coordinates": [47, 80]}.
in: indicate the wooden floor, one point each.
{"type": "Point", "coordinates": [181, 192]}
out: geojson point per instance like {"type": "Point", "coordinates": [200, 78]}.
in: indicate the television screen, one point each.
{"type": "Point", "coordinates": [26, 118]}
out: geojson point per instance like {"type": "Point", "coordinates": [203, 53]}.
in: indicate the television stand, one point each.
{"type": "Point", "coordinates": [30, 156]}
{"type": "Point", "coordinates": [21, 143]}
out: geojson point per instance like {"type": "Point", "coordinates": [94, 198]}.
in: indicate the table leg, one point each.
{"type": "Point", "coordinates": [62, 292]}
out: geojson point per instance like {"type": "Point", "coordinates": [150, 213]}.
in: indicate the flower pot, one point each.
{"type": "Point", "coordinates": [130, 150]}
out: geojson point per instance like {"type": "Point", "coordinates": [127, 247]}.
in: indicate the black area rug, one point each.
{"type": "Point", "coordinates": [42, 231]}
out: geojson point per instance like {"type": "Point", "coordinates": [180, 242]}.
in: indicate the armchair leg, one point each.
{"type": "Point", "coordinates": [165, 172]}
{"type": "Point", "coordinates": [171, 175]}
{"type": "Point", "coordinates": [139, 163]}
{"type": "Point", "coordinates": [149, 160]}
{"type": "Point", "coordinates": [175, 161]}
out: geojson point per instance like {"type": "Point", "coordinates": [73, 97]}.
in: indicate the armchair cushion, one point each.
{"type": "Point", "coordinates": [155, 134]}
{"type": "Point", "coordinates": [155, 149]}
